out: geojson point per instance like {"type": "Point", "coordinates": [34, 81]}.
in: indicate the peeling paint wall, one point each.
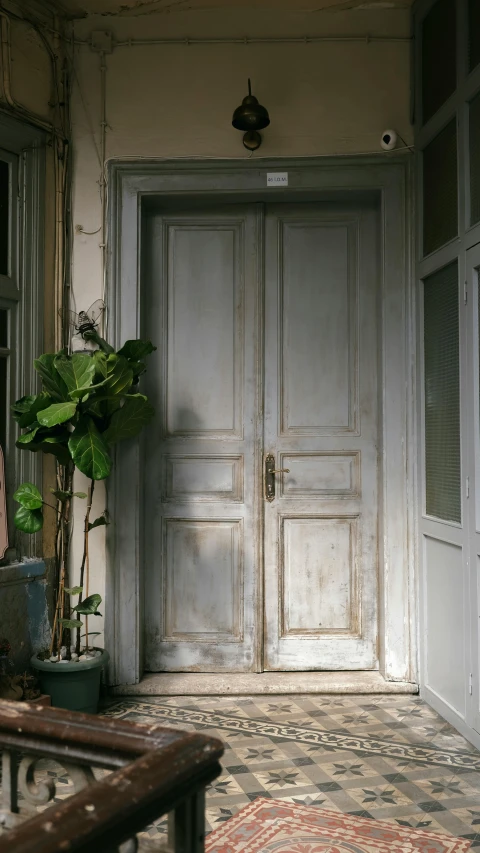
{"type": "Point", "coordinates": [177, 101]}
{"type": "Point", "coordinates": [24, 610]}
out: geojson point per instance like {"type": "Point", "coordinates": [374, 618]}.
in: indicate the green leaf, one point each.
{"type": "Point", "coordinates": [28, 495]}
{"type": "Point", "coordinates": [100, 362]}
{"type": "Point", "coordinates": [99, 522]}
{"type": "Point", "coordinates": [130, 419]}
{"type": "Point", "coordinates": [28, 521]}
{"type": "Point", "coordinates": [55, 449]}
{"type": "Point", "coordinates": [101, 407]}
{"type": "Point", "coordinates": [23, 405]}
{"type": "Point", "coordinates": [89, 606]}
{"type": "Point", "coordinates": [138, 367]}
{"type": "Point", "coordinates": [60, 495]}
{"type": "Point", "coordinates": [26, 409]}
{"type": "Point", "coordinates": [27, 437]}
{"type": "Point", "coordinates": [83, 394]}
{"type": "Point", "coordinates": [119, 374]}
{"type": "Point", "coordinates": [74, 590]}
{"type": "Point", "coordinates": [71, 623]}
{"type": "Point", "coordinates": [77, 371]}
{"type": "Point", "coordinates": [54, 435]}
{"type": "Point", "coordinates": [89, 450]}
{"type": "Point", "coordinates": [53, 382]}
{"type": "Point", "coordinates": [63, 496]}
{"type": "Point", "coordinates": [136, 350]}
{"type": "Point", "coordinates": [56, 414]}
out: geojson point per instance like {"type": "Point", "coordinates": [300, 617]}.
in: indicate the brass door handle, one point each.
{"type": "Point", "coordinates": [270, 472]}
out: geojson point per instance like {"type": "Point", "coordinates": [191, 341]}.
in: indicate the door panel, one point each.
{"type": "Point", "coordinates": [201, 517]}
{"type": "Point", "coordinates": [321, 424]}
{"type": "Point", "coordinates": [317, 587]}
{"type": "Point", "coordinates": [204, 329]}
{"type": "Point", "coordinates": [316, 325]}
{"type": "Point", "coordinates": [203, 581]}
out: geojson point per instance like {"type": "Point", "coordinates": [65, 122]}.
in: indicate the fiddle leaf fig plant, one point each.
{"type": "Point", "coordinates": [89, 403]}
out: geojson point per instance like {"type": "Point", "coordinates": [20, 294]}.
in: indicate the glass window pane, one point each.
{"type": "Point", "coordinates": [474, 134]}
{"type": "Point", "coordinates": [4, 216]}
{"type": "Point", "coordinates": [473, 34]}
{"type": "Point", "coordinates": [440, 215]}
{"type": "Point", "coordinates": [442, 395]}
{"type": "Point", "coordinates": [4, 407]}
{"type": "Point", "coordinates": [439, 56]}
{"type": "Point", "coordinates": [3, 327]}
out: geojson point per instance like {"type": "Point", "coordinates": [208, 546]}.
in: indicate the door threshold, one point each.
{"type": "Point", "coordinates": [276, 683]}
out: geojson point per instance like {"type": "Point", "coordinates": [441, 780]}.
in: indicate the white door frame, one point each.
{"type": "Point", "coordinates": [246, 180]}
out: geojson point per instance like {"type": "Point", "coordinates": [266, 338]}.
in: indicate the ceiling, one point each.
{"type": "Point", "coordinates": [128, 8]}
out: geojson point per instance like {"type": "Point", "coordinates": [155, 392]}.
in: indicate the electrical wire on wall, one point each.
{"type": "Point", "coordinates": [103, 186]}
{"type": "Point", "coordinates": [101, 154]}
{"type": "Point", "coordinates": [101, 133]}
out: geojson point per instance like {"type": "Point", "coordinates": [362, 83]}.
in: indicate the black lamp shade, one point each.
{"type": "Point", "coordinates": [250, 115]}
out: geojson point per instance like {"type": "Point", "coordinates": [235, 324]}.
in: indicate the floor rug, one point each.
{"type": "Point", "coordinates": [266, 826]}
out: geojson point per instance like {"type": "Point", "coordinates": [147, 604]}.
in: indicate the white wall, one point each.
{"type": "Point", "coordinates": [177, 101]}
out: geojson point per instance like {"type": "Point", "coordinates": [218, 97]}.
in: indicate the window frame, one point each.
{"type": "Point", "coordinates": [21, 292]}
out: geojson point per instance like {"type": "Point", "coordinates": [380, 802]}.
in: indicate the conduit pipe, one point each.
{"type": "Point", "coordinates": [247, 40]}
{"type": "Point", "coordinates": [103, 158]}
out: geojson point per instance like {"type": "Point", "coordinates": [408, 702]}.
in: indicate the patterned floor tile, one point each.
{"type": "Point", "coordinates": [383, 757]}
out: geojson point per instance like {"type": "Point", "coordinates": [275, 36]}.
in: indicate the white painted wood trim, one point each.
{"type": "Point", "coordinates": [391, 178]}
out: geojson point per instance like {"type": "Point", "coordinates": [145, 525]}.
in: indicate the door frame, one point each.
{"type": "Point", "coordinates": [391, 177]}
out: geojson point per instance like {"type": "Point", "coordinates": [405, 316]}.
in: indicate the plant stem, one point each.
{"type": "Point", "coordinates": [66, 519]}
{"type": "Point", "coordinates": [60, 472]}
{"type": "Point", "coordinates": [87, 585]}
{"type": "Point", "coordinates": [85, 563]}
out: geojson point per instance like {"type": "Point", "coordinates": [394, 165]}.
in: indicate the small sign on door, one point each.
{"type": "Point", "coordinates": [277, 179]}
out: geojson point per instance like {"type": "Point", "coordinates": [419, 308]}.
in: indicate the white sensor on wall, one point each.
{"type": "Point", "coordinates": [389, 140]}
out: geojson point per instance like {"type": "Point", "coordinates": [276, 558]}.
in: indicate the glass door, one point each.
{"type": "Point", "coordinates": [472, 404]}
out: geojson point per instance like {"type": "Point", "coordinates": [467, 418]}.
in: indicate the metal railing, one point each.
{"type": "Point", "coordinates": [155, 771]}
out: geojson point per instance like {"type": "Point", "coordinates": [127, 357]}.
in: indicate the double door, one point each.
{"type": "Point", "coordinates": [260, 468]}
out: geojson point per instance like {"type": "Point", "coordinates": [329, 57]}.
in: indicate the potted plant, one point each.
{"type": "Point", "coordinates": [89, 403]}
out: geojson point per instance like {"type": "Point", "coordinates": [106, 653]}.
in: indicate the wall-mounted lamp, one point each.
{"type": "Point", "coordinates": [251, 117]}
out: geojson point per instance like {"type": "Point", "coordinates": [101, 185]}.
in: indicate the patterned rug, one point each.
{"type": "Point", "coordinates": [268, 827]}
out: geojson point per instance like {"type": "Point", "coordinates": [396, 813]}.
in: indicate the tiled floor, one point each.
{"type": "Point", "coordinates": [383, 757]}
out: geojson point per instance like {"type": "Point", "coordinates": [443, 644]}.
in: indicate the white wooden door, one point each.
{"type": "Point", "coordinates": [321, 425]}
{"type": "Point", "coordinates": [202, 486]}
{"type": "Point", "coordinates": [209, 607]}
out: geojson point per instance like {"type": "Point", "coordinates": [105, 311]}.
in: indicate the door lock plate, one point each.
{"type": "Point", "coordinates": [270, 472]}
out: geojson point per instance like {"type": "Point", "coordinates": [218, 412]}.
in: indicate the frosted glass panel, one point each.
{"type": "Point", "coordinates": [439, 56]}
{"type": "Point", "coordinates": [440, 205]}
{"type": "Point", "coordinates": [442, 395]}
